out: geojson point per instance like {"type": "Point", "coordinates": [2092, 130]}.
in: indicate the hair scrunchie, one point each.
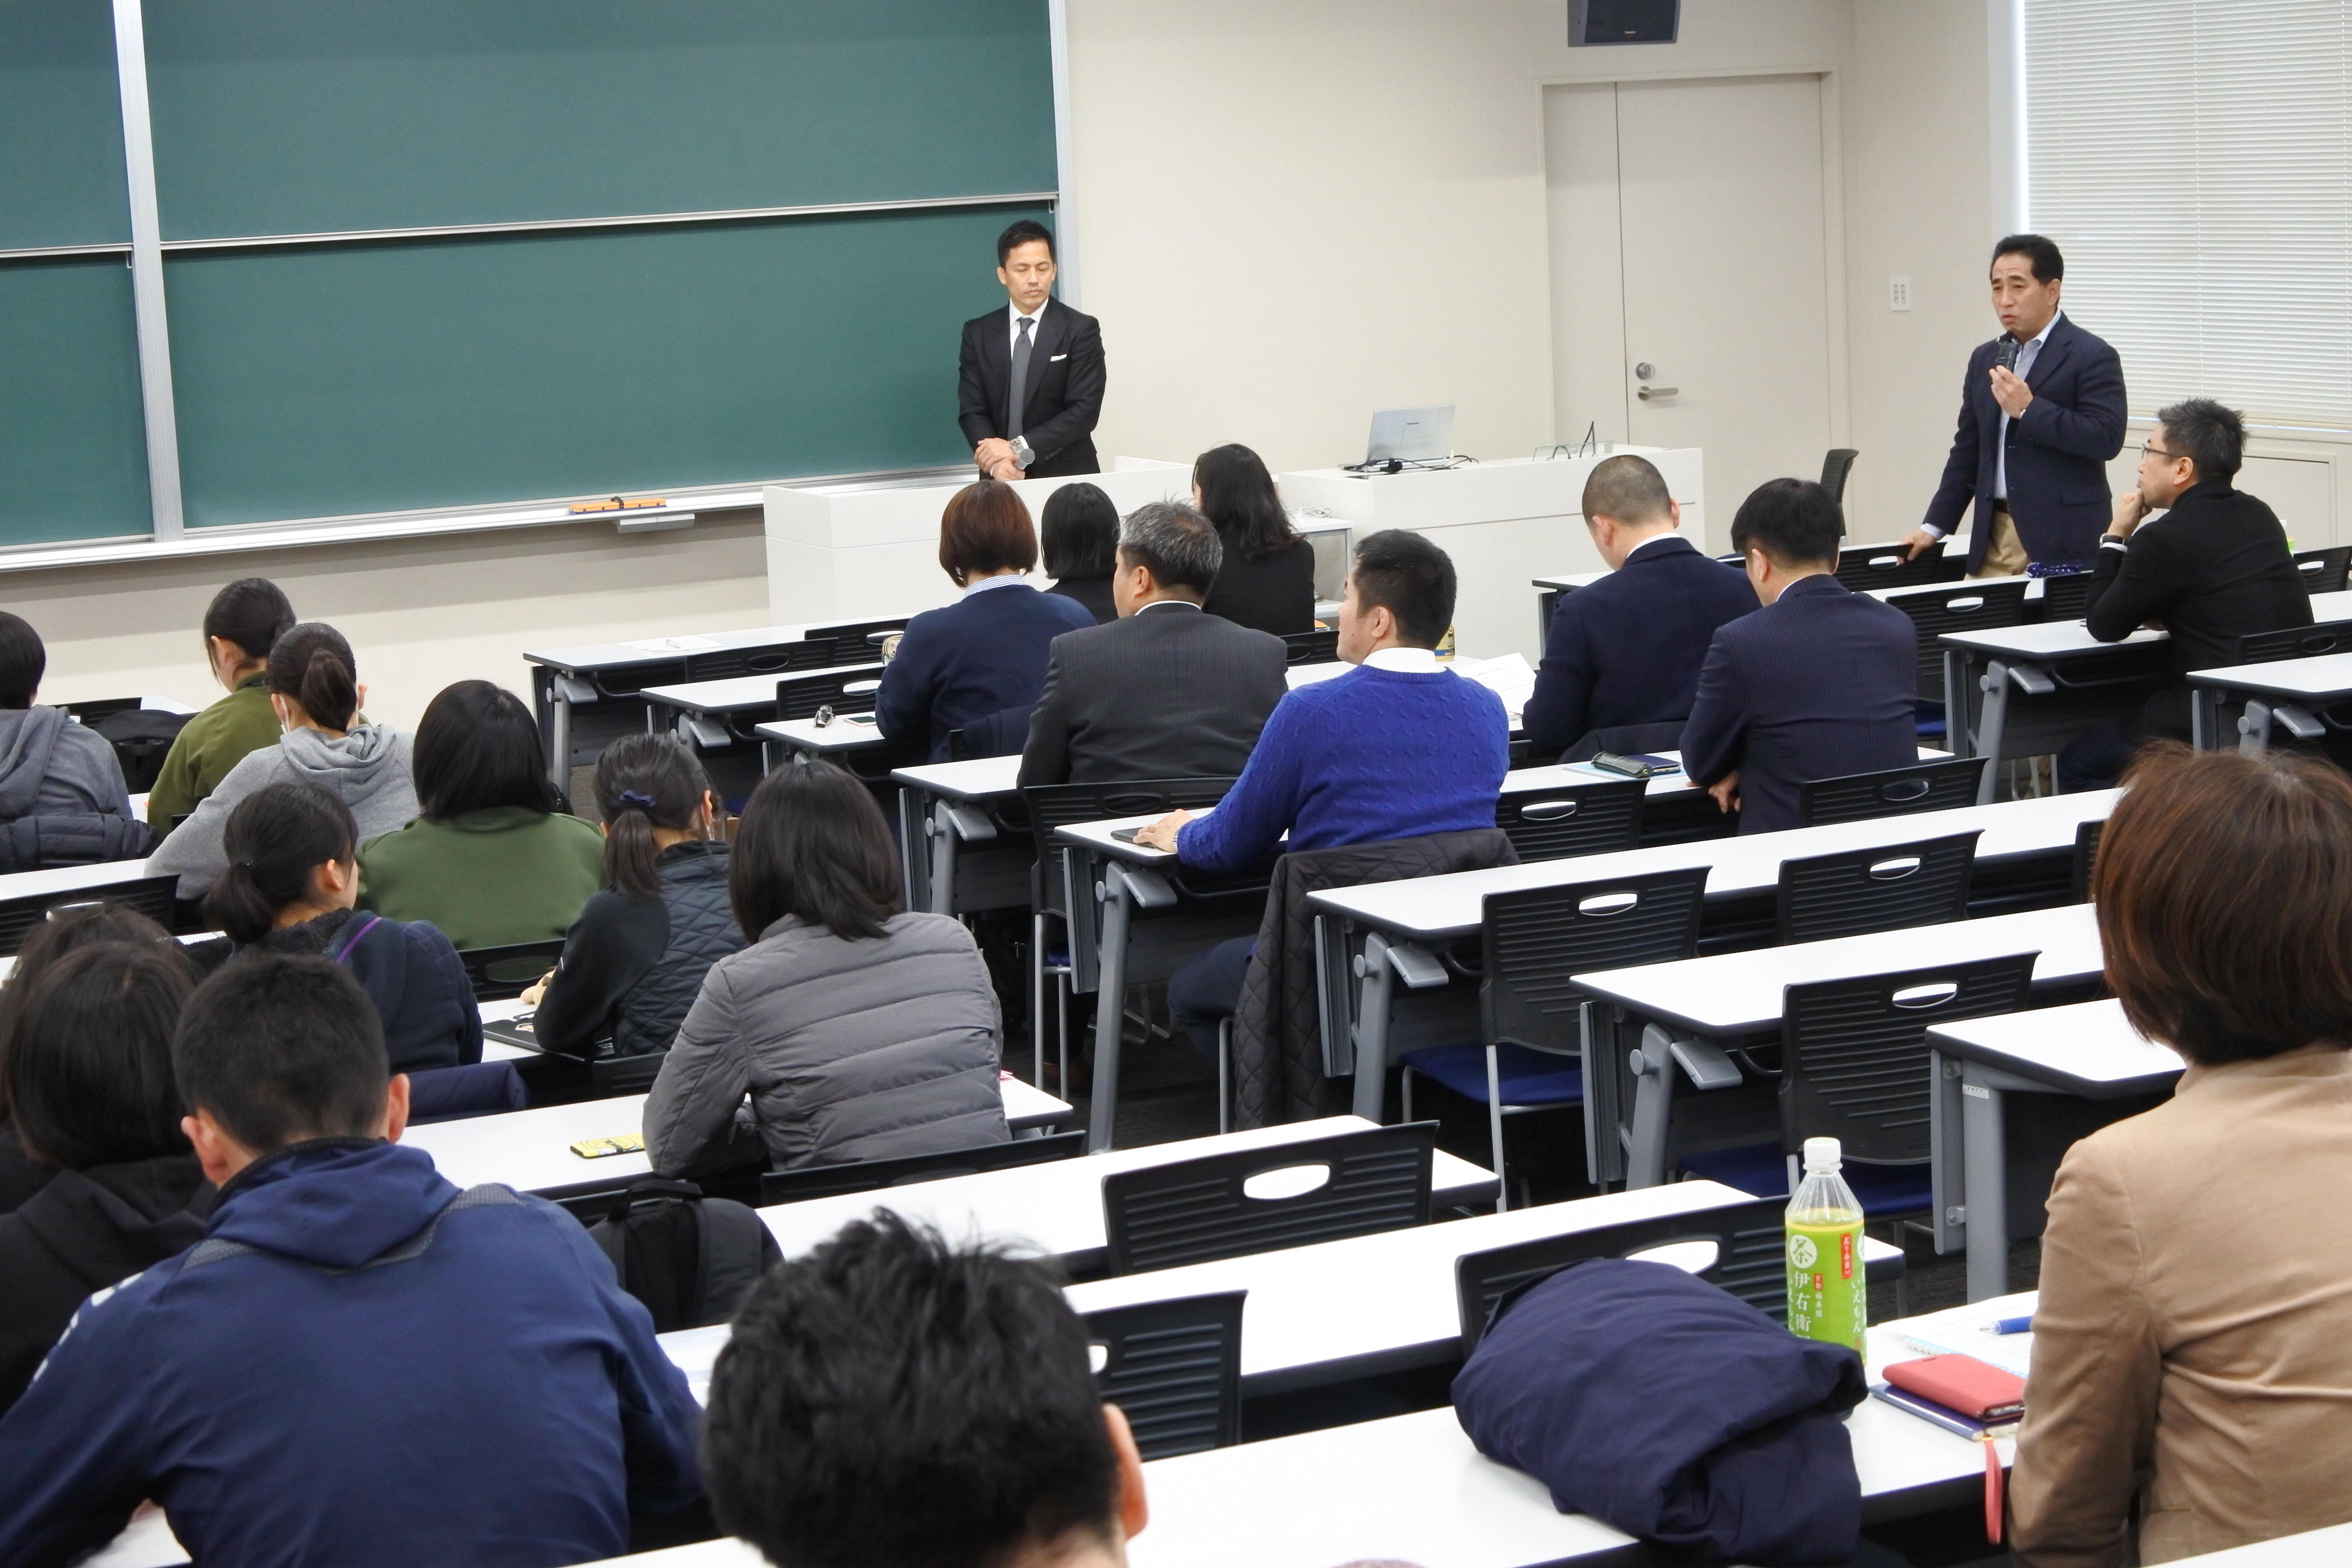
{"type": "Point", "coordinates": [633, 797]}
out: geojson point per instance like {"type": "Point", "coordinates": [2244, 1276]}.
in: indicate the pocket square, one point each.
{"type": "Point", "coordinates": [1057, 359]}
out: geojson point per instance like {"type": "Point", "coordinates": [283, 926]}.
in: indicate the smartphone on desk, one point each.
{"type": "Point", "coordinates": [1636, 764]}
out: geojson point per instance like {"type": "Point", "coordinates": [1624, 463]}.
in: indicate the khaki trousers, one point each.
{"type": "Point", "coordinates": [2005, 555]}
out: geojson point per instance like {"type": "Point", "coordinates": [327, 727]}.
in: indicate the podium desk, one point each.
{"type": "Point", "coordinates": [839, 551]}
{"type": "Point", "coordinates": [1498, 521]}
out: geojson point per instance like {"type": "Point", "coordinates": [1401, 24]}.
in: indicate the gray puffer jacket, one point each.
{"type": "Point", "coordinates": [849, 1050]}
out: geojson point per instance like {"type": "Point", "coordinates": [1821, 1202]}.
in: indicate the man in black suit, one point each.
{"type": "Point", "coordinates": [1620, 664]}
{"type": "Point", "coordinates": [1820, 683]}
{"type": "Point", "coordinates": [2041, 410]}
{"type": "Point", "coordinates": [2213, 568]}
{"type": "Point", "coordinates": [1164, 691]}
{"type": "Point", "coordinates": [1032, 381]}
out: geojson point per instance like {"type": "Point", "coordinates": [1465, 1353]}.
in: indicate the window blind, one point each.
{"type": "Point", "coordinates": [2193, 159]}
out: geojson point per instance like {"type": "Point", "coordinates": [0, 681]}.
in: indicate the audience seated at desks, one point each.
{"type": "Point", "coordinates": [859, 1031]}
{"type": "Point", "coordinates": [977, 665]}
{"type": "Point", "coordinates": [2214, 567]}
{"type": "Point", "coordinates": [2192, 1343]}
{"type": "Point", "coordinates": [635, 960]}
{"type": "Point", "coordinates": [496, 858]}
{"type": "Point", "coordinates": [243, 623]}
{"type": "Point", "coordinates": [315, 695]}
{"type": "Point", "coordinates": [62, 800]}
{"type": "Point", "coordinates": [292, 886]}
{"type": "Point", "coordinates": [86, 1055]}
{"type": "Point", "coordinates": [1169, 690]}
{"type": "Point", "coordinates": [359, 1365]}
{"type": "Point", "coordinates": [892, 1399]}
{"type": "Point", "coordinates": [1398, 748]}
{"type": "Point", "coordinates": [1620, 663]}
{"type": "Point", "coordinates": [1820, 683]}
{"type": "Point", "coordinates": [1268, 579]}
{"type": "Point", "coordinates": [1078, 532]}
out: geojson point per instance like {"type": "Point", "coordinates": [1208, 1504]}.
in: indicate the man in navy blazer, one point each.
{"type": "Point", "coordinates": [1624, 652]}
{"type": "Point", "coordinates": [2041, 410]}
{"type": "Point", "coordinates": [1043, 427]}
{"type": "Point", "coordinates": [1820, 683]}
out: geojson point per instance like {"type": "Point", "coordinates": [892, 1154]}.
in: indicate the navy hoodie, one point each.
{"type": "Point", "coordinates": [358, 1366]}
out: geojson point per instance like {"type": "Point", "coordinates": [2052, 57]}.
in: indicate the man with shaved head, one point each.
{"type": "Point", "coordinates": [1620, 664]}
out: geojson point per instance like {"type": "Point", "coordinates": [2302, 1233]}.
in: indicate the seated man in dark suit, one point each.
{"type": "Point", "coordinates": [1625, 651]}
{"type": "Point", "coordinates": [2213, 568]}
{"type": "Point", "coordinates": [1164, 691]}
{"type": "Point", "coordinates": [1820, 683]}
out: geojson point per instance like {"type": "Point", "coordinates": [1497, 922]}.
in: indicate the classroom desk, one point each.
{"type": "Point", "coordinates": [1386, 931]}
{"type": "Point", "coordinates": [1057, 1207]}
{"type": "Point", "coordinates": [2086, 1050]}
{"type": "Point", "coordinates": [69, 880]}
{"type": "Point", "coordinates": [713, 713]}
{"type": "Point", "coordinates": [1700, 1006]}
{"type": "Point", "coordinates": [2294, 692]}
{"type": "Point", "coordinates": [949, 809]}
{"type": "Point", "coordinates": [530, 1150]}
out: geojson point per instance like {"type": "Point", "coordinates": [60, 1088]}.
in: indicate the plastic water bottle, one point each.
{"type": "Point", "coordinates": [1829, 1299]}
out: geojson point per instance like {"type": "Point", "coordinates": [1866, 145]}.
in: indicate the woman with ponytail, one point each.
{"type": "Point", "coordinates": [315, 697]}
{"type": "Point", "coordinates": [243, 623]}
{"type": "Point", "coordinates": [634, 961]}
{"type": "Point", "coordinates": [290, 885]}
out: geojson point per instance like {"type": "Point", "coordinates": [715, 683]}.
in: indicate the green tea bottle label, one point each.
{"type": "Point", "coordinates": [1828, 1296]}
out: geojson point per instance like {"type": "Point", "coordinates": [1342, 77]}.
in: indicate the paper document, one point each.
{"type": "Point", "coordinates": [1968, 1330]}
{"type": "Point", "coordinates": [674, 645]}
{"type": "Point", "coordinates": [1510, 678]}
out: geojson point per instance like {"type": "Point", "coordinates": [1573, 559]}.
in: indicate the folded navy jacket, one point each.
{"type": "Point", "coordinates": [1649, 1399]}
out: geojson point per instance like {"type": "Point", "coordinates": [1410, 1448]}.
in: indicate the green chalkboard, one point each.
{"type": "Point", "coordinates": [372, 377]}
{"type": "Point", "coordinates": [60, 128]}
{"type": "Point", "coordinates": [328, 116]}
{"type": "Point", "coordinates": [73, 461]}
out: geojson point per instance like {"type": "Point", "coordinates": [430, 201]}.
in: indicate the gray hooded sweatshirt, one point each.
{"type": "Point", "coordinates": [366, 768]}
{"type": "Point", "coordinates": [51, 766]}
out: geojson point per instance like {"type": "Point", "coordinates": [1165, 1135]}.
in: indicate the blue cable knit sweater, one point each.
{"type": "Point", "coordinates": [1370, 756]}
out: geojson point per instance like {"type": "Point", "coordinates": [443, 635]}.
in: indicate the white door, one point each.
{"type": "Point", "coordinates": [1690, 275]}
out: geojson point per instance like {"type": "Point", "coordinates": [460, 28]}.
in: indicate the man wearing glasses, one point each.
{"type": "Point", "coordinates": [2041, 410]}
{"type": "Point", "coordinates": [2211, 562]}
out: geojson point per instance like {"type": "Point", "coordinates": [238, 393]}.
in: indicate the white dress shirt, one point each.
{"type": "Point", "coordinates": [2027, 352]}
{"type": "Point", "coordinates": [1404, 660]}
{"type": "Point", "coordinates": [1001, 580]}
{"type": "Point", "coordinates": [1670, 533]}
{"type": "Point", "coordinates": [1014, 318]}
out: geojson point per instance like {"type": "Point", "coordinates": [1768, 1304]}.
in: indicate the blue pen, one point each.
{"type": "Point", "coordinates": [2011, 1325]}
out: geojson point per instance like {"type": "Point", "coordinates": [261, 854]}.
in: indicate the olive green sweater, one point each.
{"type": "Point", "coordinates": [487, 879]}
{"type": "Point", "coordinates": [207, 747]}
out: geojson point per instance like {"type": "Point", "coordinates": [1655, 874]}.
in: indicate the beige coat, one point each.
{"type": "Point", "coordinates": [2193, 1342]}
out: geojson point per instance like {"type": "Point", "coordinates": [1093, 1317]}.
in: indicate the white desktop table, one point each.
{"type": "Point", "coordinates": [943, 810]}
{"type": "Point", "coordinates": [2087, 1051]}
{"type": "Point", "coordinates": [1057, 1207]}
{"type": "Point", "coordinates": [2279, 691]}
{"type": "Point", "coordinates": [708, 712]}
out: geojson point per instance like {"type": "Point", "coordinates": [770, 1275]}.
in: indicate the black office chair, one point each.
{"type": "Point", "coordinates": [1573, 819]}
{"type": "Point", "coordinates": [2066, 598]}
{"type": "Point", "coordinates": [778, 658]}
{"type": "Point", "coordinates": [1865, 567]}
{"type": "Point", "coordinates": [1194, 1210]}
{"type": "Point", "coordinates": [1175, 1370]}
{"type": "Point", "coordinates": [498, 973]}
{"type": "Point", "coordinates": [1885, 889]}
{"type": "Point", "coordinates": [872, 1175]}
{"type": "Point", "coordinates": [1835, 467]}
{"type": "Point", "coordinates": [2086, 858]}
{"type": "Point", "coordinates": [2324, 571]}
{"type": "Point", "coordinates": [2295, 642]}
{"type": "Point", "coordinates": [1750, 1259]}
{"type": "Point", "coordinates": [863, 633]}
{"type": "Point", "coordinates": [1320, 645]}
{"type": "Point", "coordinates": [1894, 792]}
{"type": "Point", "coordinates": [151, 896]}
{"type": "Point", "coordinates": [1531, 1058]}
{"type": "Point", "coordinates": [1963, 607]}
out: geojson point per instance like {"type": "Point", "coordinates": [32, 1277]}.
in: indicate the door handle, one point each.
{"type": "Point", "coordinates": [1648, 393]}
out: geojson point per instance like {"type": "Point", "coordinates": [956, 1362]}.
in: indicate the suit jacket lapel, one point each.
{"type": "Point", "coordinates": [2054, 352]}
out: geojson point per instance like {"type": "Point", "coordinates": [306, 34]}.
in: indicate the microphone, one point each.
{"type": "Point", "coordinates": [2006, 354]}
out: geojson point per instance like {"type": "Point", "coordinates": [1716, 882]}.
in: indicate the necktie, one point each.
{"type": "Point", "coordinates": [1017, 393]}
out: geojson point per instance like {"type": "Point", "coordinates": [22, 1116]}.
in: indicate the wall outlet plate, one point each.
{"type": "Point", "coordinates": [1899, 292]}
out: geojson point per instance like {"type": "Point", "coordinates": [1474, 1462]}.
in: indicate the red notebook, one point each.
{"type": "Point", "coordinates": [1976, 1390]}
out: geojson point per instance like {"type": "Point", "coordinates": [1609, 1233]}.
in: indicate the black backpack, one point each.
{"type": "Point", "coordinates": [687, 1258]}
{"type": "Point", "coordinates": [141, 738]}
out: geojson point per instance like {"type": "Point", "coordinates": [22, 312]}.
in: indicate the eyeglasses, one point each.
{"type": "Point", "coordinates": [2150, 449]}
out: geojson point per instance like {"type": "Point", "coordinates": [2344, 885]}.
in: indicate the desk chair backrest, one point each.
{"type": "Point", "coordinates": [1174, 1369]}
{"type": "Point", "coordinates": [1320, 645]}
{"type": "Point", "coordinates": [1962, 607]}
{"type": "Point", "coordinates": [778, 658]}
{"type": "Point", "coordinates": [151, 896]}
{"type": "Point", "coordinates": [1063, 805]}
{"type": "Point", "coordinates": [498, 973]}
{"type": "Point", "coordinates": [1885, 889]}
{"type": "Point", "coordinates": [1322, 1189]}
{"type": "Point", "coordinates": [1854, 1056]}
{"type": "Point", "coordinates": [1750, 1259]}
{"type": "Point", "coordinates": [2324, 571]}
{"type": "Point", "coordinates": [873, 1175]}
{"type": "Point", "coordinates": [2295, 642]}
{"type": "Point", "coordinates": [1894, 792]}
{"type": "Point", "coordinates": [2066, 598]}
{"type": "Point", "coordinates": [862, 633]}
{"type": "Point", "coordinates": [142, 737]}
{"type": "Point", "coordinates": [847, 691]}
{"type": "Point", "coordinates": [1533, 940]}
{"type": "Point", "coordinates": [1836, 464]}
{"type": "Point", "coordinates": [1863, 567]}
{"type": "Point", "coordinates": [2087, 858]}
{"type": "Point", "coordinates": [1555, 822]}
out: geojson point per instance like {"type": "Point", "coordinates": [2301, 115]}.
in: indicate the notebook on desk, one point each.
{"type": "Point", "coordinates": [514, 1031]}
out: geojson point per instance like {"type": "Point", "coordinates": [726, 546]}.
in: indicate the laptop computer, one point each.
{"type": "Point", "coordinates": [1411, 435]}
